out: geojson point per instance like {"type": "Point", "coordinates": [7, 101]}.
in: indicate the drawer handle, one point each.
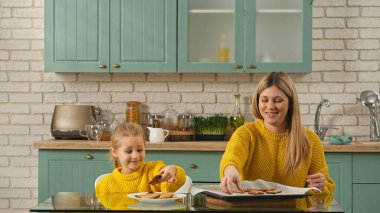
{"type": "Point", "coordinates": [116, 65]}
{"type": "Point", "coordinates": [89, 157]}
{"type": "Point", "coordinates": [252, 66]}
{"type": "Point", "coordinates": [238, 66]}
{"type": "Point", "coordinates": [102, 66]}
{"type": "Point", "coordinates": [193, 166]}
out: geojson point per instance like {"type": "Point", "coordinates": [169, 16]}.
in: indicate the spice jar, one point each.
{"type": "Point", "coordinates": [190, 123]}
{"type": "Point", "coordinates": [154, 120]}
{"type": "Point", "coordinates": [182, 122]}
{"type": "Point", "coordinates": [133, 112]}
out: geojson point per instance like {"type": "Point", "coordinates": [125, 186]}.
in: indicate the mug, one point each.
{"type": "Point", "coordinates": [157, 135]}
{"type": "Point", "coordinates": [92, 132]}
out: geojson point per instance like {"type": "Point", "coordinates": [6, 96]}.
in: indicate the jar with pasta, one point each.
{"type": "Point", "coordinates": [133, 112]}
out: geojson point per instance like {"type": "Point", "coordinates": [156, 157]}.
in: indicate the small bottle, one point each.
{"type": "Point", "coordinates": [224, 51]}
{"type": "Point", "coordinates": [236, 119]}
{"type": "Point", "coordinates": [133, 112]}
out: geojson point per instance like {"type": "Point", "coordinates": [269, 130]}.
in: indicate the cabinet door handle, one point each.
{"type": "Point", "coordinates": [193, 166]}
{"type": "Point", "coordinates": [116, 65]}
{"type": "Point", "coordinates": [252, 66]}
{"type": "Point", "coordinates": [89, 157]}
{"type": "Point", "coordinates": [237, 66]}
{"type": "Point", "coordinates": [103, 66]}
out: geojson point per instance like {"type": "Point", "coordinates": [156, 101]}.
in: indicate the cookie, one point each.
{"type": "Point", "coordinates": [156, 179]}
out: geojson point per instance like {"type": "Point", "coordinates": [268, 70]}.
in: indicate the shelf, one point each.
{"type": "Point", "coordinates": [279, 11]}
{"type": "Point", "coordinates": [212, 11]}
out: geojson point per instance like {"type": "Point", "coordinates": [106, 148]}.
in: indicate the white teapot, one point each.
{"type": "Point", "coordinates": [157, 135]}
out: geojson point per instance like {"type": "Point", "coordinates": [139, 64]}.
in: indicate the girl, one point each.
{"type": "Point", "coordinates": [132, 174]}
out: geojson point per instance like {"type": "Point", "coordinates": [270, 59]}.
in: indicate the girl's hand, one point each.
{"type": "Point", "coordinates": [316, 180]}
{"type": "Point", "coordinates": [231, 177]}
{"type": "Point", "coordinates": [168, 174]}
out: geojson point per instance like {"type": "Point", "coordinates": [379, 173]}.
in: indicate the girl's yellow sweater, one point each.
{"type": "Point", "coordinates": [139, 181]}
{"type": "Point", "coordinates": [258, 153]}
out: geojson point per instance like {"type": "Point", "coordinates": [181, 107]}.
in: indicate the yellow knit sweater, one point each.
{"type": "Point", "coordinates": [139, 181]}
{"type": "Point", "coordinates": [258, 153]}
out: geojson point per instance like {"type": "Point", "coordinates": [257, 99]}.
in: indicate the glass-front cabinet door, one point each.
{"type": "Point", "coordinates": [210, 35]}
{"type": "Point", "coordinates": [278, 35]}
{"type": "Point", "coordinates": [244, 35]}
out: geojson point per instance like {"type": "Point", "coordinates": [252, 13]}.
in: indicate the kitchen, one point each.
{"type": "Point", "coordinates": [345, 61]}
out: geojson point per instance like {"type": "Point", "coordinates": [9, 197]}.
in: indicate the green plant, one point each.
{"type": "Point", "coordinates": [212, 125]}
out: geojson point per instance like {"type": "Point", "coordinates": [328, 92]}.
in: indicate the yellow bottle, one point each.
{"type": "Point", "coordinates": [224, 51]}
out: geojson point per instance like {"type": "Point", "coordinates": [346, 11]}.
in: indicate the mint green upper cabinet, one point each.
{"type": "Point", "coordinates": [143, 35]}
{"type": "Point", "coordinates": [76, 35]}
{"type": "Point", "coordinates": [110, 35]}
{"type": "Point", "coordinates": [260, 35]}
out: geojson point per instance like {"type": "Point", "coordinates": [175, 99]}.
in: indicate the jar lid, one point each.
{"type": "Point", "coordinates": [133, 103]}
{"type": "Point", "coordinates": [154, 116]}
{"type": "Point", "coordinates": [183, 116]}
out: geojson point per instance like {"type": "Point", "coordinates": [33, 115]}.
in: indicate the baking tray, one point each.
{"type": "Point", "coordinates": [252, 197]}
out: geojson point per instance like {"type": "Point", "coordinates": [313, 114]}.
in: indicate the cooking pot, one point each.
{"type": "Point", "coordinates": [68, 120]}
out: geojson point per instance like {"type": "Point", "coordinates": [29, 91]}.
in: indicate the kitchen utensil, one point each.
{"type": "Point", "coordinates": [157, 135]}
{"type": "Point", "coordinates": [368, 98]}
{"type": "Point", "coordinates": [92, 132]}
{"type": "Point", "coordinates": [68, 120]}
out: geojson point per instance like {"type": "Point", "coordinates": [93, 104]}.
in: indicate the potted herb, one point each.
{"type": "Point", "coordinates": [212, 128]}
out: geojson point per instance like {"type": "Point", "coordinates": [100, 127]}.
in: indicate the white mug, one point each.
{"type": "Point", "coordinates": [157, 135]}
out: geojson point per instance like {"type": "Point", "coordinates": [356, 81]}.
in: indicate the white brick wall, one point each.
{"type": "Point", "coordinates": [346, 57]}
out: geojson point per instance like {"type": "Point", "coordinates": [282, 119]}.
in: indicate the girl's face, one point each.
{"type": "Point", "coordinates": [273, 107]}
{"type": "Point", "coordinates": [131, 153]}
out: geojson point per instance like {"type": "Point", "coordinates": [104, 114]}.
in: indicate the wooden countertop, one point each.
{"type": "Point", "coordinates": [189, 146]}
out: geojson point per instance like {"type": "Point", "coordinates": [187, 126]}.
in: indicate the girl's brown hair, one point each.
{"type": "Point", "coordinates": [297, 146]}
{"type": "Point", "coordinates": [121, 131]}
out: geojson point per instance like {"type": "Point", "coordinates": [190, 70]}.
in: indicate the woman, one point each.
{"type": "Point", "coordinates": [276, 147]}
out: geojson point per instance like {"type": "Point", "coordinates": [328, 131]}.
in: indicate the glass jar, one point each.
{"type": "Point", "coordinates": [190, 123]}
{"type": "Point", "coordinates": [154, 120]}
{"type": "Point", "coordinates": [170, 119]}
{"type": "Point", "coordinates": [182, 122]}
{"type": "Point", "coordinates": [133, 112]}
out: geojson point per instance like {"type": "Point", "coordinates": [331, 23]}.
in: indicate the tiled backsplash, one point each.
{"type": "Point", "coordinates": [346, 57]}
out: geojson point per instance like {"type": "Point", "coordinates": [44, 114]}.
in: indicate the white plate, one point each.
{"type": "Point", "coordinates": [157, 207]}
{"type": "Point", "coordinates": [156, 201]}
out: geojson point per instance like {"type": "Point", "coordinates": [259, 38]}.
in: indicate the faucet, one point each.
{"type": "Point", "coordinates": [319, 129]}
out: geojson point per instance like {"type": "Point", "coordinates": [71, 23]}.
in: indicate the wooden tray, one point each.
{"type": "Point", "coordinates": [181, 133]}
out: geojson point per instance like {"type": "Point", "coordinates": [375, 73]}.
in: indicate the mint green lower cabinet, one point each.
{"type": "Point", "coordinates": [200, 166]}
{"type": "Point", "coordinates": [366, 168]}
{"type": "Point", "coordinates": [69, 171]}
{"type": "Point", "coordinates": [357, 175]}
{"type": "Point", "coordinates": [76, 170]}
{"type": "Point", "coordinates": [340, 168]}
{"type": "Point", "coordinates": [366, 182]}
{"type": "Point", "coordinates": [366, 198]}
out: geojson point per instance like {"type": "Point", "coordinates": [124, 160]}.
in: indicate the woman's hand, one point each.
{"type": "Point", "coordinates": [168, 174]}
{"type": "Point", "coordinates": [316, 180]}
{"type": "Point", "coordinates": [231, 177]}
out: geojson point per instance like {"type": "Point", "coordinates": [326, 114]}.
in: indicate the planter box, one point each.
{"type": "Point", "coordinates": [210, 137]}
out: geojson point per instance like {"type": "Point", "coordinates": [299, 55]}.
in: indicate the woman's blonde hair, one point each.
{"type": "Point", "coordinates": [121, 131]}
{"type": "Point", "coordinates": [297, 146]}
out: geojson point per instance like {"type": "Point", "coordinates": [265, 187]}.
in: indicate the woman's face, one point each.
{"type": "Point", "coordinates": [273, 107]}
{"type": "Point", "coordinates": [131, 153]}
